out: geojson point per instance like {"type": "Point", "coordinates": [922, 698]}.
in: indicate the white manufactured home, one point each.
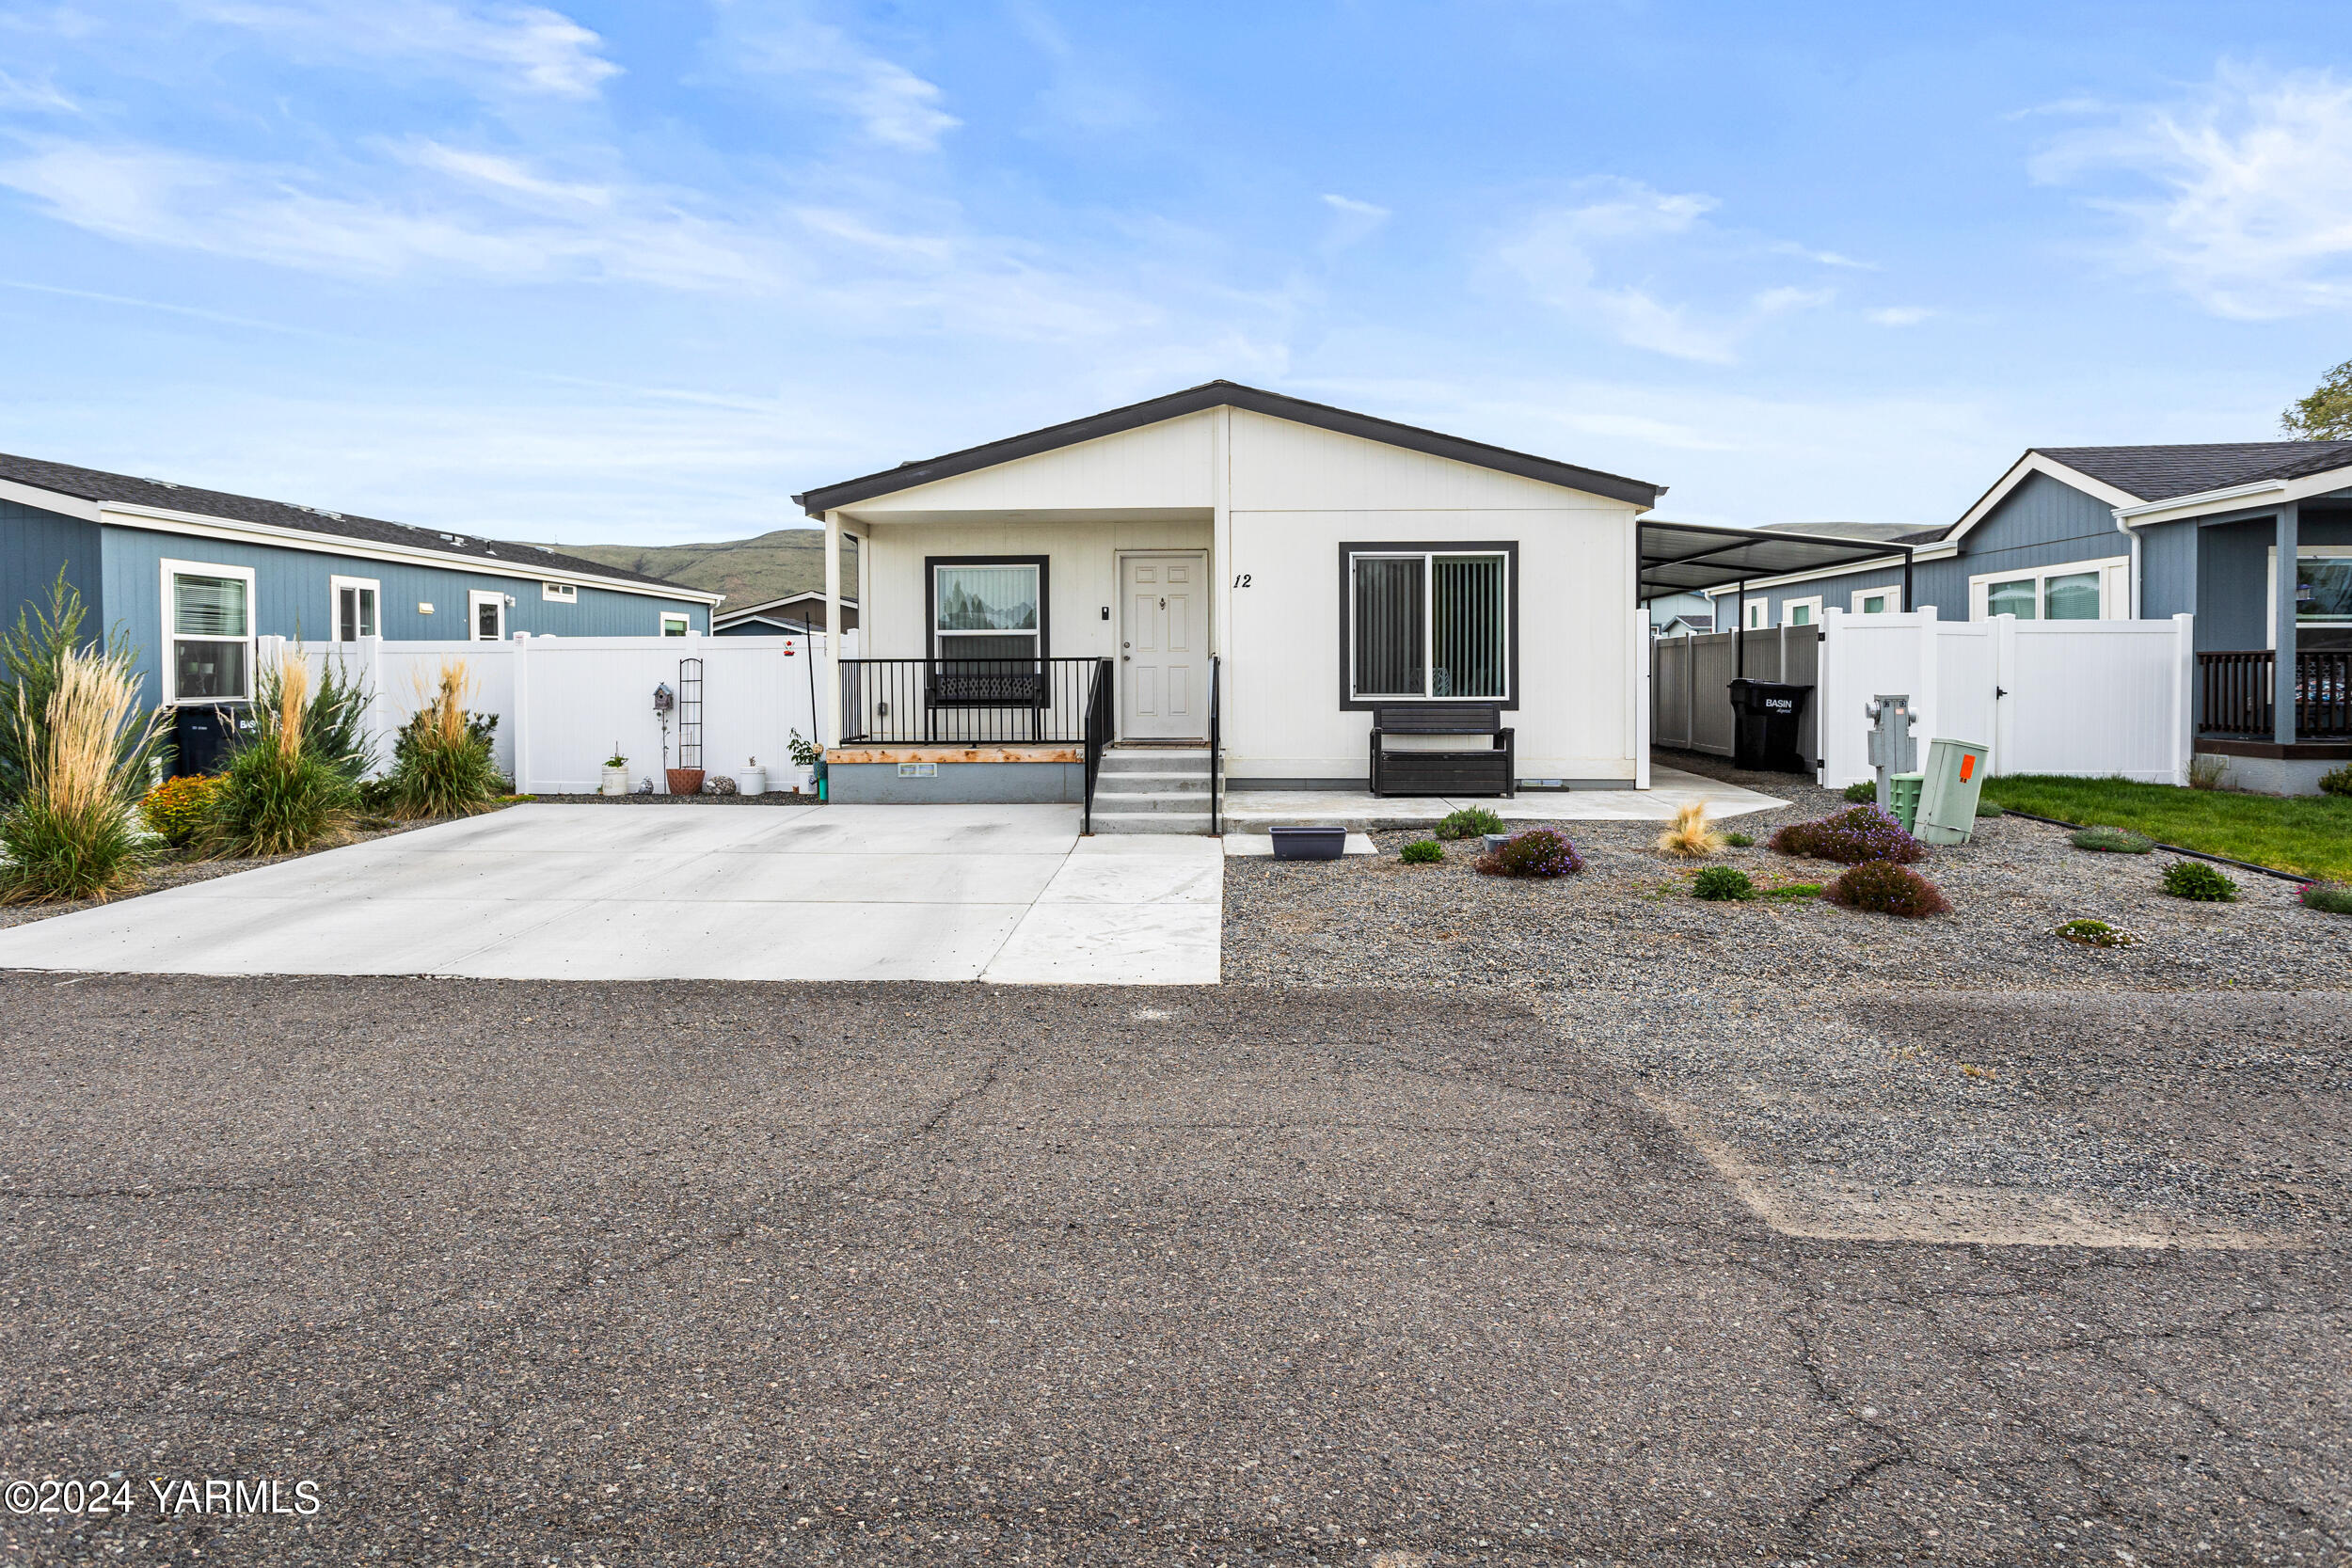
{"type": "Point", "coordinates": [1227, 589]}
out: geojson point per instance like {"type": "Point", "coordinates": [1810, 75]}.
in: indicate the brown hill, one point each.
{"type": "Point", "coordinates": [787, 561]}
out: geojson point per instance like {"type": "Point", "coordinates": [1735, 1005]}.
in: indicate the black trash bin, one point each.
{"type": "Point", "coordinates": [1764, 722]}
{"type": "Point", "coordinates": [202, 737]}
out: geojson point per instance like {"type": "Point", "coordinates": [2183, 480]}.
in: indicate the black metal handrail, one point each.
{"type": "Point", "coordinates": [1098, 737]}
{"type": "Point", "coordinates": [1007, 702]}
{"type": "Point", "coordinates": [2237, 692]}
{"type": "Point", "coordinates": [1216, 744]}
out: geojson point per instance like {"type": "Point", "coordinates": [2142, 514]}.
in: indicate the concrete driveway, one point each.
{"type": "Point", "coordinates": [741, 893]}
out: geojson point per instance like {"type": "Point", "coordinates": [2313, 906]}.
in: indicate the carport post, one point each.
{"type": "Point", "coordinates": [1739, 655]}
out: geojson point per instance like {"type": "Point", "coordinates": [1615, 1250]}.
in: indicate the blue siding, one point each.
{"type": "Point", "coordinates": [2233, 588]}
{"type": "Point", "coordinates": [2169, 571]}
{"type": "Point", "coordinates": [293, 597]}
{"type": "Point", "coordinates": [33, 547]}
{"type": "Point", "coordinates": [1835, 592]}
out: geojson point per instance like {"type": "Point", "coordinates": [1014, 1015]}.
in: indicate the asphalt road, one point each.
{"type": "Point", "coordinates": [703, 1273]}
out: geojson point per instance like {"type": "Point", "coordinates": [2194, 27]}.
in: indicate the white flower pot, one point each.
{"type": "Point", "coordinates": [752, 781]}
{"type": "Point", "coordinates": [805, 780]}
{"type": "Point", "coordinates": [615, 781]}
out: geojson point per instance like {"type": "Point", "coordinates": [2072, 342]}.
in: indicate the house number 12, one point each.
{"type": "Point", "coordinates": [1241, 579]}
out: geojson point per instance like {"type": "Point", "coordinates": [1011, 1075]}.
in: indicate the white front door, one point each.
{"type": "Point", "coordinates": [1162, 655]}
{"type": "Point", "coordinates": [488, 613]}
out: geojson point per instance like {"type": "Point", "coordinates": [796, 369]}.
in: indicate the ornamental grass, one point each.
{"type": "Point", "coordinates": [71, 832]}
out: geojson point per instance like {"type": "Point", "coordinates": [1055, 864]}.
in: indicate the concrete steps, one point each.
{"type": "Point", "coordinates": [1153, 789]}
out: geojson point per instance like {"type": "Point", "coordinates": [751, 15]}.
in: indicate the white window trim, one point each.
{"type": "Point", "coordinates": [2270, 586]}
{"type": "Point", "coordinates": [684, 622]}
{"type": "Point", "coordinates": [1813, 603]}
{"type": "Point", "coordinates": [1759, 614]}
{"type": "Point", "coordinates": [1893, 589]}
{"type": "Point", "coordinates": [2115, 576]}
{"type": "Point", "coordinates": [1429, 623]}
{"type": "Point", "coordinates": [475, 599]}
{"type": "Point", "coordinates": [560, 593]}
{"type": "Point", "coordinates": [335, 586]}
{"type": "Point", "coordinates": [171, 637]}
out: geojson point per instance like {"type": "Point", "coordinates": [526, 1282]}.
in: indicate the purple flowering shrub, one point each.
{"type": "Point", "coordinates": [1536, 852]}
{"type": "Point", "coordinates": [1887, 888]}
{"type": "Point", "coordinates": [1852, 837]}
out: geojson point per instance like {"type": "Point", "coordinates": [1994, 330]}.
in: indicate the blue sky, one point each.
{"type": "Point", "coordinates": [607, 271]}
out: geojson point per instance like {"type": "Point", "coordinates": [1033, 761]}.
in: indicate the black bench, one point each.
{"type": "Point", "coordinates": [1489, 771]}
{"type": "Point", "coordinates": [977, 683]}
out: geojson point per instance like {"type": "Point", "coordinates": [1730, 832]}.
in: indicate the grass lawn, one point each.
{"type": "Point", "coordinates": [2309, 835]}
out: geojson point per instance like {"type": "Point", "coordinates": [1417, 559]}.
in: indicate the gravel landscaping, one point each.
{"type": "Point", "coordinates": [1786, 1037]}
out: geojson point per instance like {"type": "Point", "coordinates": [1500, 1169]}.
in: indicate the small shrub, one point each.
{"type": "Point", "coordinates": [279, 795]}
{"type": "Point", "coordinates": [1470, 822]}
{"type": "Point", "coordinates": [2329, 897]}
{"type": "Point", "coordinates": [1853, 837]}
{"type": "Point", "coordinates": [1536, 852]}
{"type": "Point", "coordinates": [1791, 890]}
{"type": "Point", "coordinates": [1721, 884]}
{"type": "Point", "coordinates": [1740, 841]}
{"type": "Point", "coordinates": [69, 833]}
{"type": "Point", "coordinates": [1862, 794]}
{"type": "Point", "coordinates": [806, 754]}
{"type": "Point", "coordinates": [175, 810]}
{"type": "Point", "coordinates": [2337, 781]}
{"type": "Point", "coordinates": [2114, 841]}
{"type": "Point", "coordinates": [1987, 809]}
{"type": "Point", "coordinates": [2095, 934]}
{"type": "Point", "coordinates": [2207, 771]}
{"type": "Point", "coordinates": [1886, 888]}
{"type": "Point", "coordinates": [1691, 837]}
{"type": "Point", "coordinates": [1423, 851]}
{"type": "Point", "coordinates": [2199, 883]}
{"type": "Point", "coordinates": [441, 764]}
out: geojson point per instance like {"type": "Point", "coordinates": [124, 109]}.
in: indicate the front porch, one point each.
{"type": "Point", "coordinates": [2263, 748]}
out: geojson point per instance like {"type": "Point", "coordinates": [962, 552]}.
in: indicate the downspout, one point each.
{"type": "Point", "coordinates": [2139, 610]}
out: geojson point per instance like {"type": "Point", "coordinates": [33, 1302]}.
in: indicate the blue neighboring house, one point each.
{"type": "Point", "coordinates": [194, 576]}
{"type": "Point", "coordinates": [788, 616]}
{"type": "Point", "coordinates": [2254, 538]}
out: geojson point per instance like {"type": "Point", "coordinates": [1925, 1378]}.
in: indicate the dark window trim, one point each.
{"type": "Point", "coordinates": [1508, 549]}
{"type": "Point", "coordinates": [1045, 602]}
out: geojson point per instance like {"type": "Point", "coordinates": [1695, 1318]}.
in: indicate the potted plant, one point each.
{"type": "Point", "coordinates": [753, 780]}
{"type": "Point", "coordinates": [806, 755]}
{"type": "Point", "coordinates": [615, 773]}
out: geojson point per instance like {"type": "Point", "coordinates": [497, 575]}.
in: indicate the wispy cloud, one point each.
{"type": "Point", "coordinates": [2251, 212]}
{"type": "Point", "coordinates": [1898, 315]}
{"type": "Point", "coordinates": [527, 47]}
{"type": "Point", "coordinates": [39, 95]}
{"type": "Point", "coordinates": [1560, 255]}
{"type": "Point", "coordinates": [1352, 221]}
{"type": "Point", "coordinates": [891, 105]}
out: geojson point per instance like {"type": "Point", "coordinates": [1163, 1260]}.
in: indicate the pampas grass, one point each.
{"type": "Point", "coordinates": [279, 795]}
{"type": "Point", "coordinates": [441, 767]}
{"type": "Point", "coordinates": [1691, 837]}
{"type": "Point", "coordinates": [71, 832]}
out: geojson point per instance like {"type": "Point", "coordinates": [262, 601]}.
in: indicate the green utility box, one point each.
{"type": "Point", "coordinates": [1947, 801]}
{"type": "Point", "coordinates": [1903, 796]}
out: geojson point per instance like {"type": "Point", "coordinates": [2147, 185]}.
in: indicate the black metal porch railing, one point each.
{"type": "Point", "coordinates": [1098, 737]}
{"type": "Point", "coordinates": [1216, 744]}
{"type": "Point", "coordinates": [2237, 690]}
{"type": "Point", "coordinates": [980, 702]}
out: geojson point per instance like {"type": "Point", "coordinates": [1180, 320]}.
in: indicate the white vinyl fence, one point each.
{"type": "Point", "coordinates": [564, 703]}
{"type": "Point", "coordinates": [2090, 698]}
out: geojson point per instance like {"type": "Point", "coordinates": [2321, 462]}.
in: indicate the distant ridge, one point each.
{"type": "Point", "coordinates": [787, 561]}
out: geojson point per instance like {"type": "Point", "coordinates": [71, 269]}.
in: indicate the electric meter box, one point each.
{"type": "Point", "coordinates": [1954, 777]}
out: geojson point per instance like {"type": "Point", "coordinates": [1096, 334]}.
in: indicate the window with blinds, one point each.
{"type": "Point", "coordinates": [208, 620]}
{"type": "Point", "coordinates": [1429, 624]}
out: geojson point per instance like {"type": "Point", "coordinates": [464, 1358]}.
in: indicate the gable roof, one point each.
{"type": "Point", "coordinates": [2162, 473]}
{"type": "Point", "coordinates": [105, 489]}
{"type": "Point", "coordinates": [1228, 394]}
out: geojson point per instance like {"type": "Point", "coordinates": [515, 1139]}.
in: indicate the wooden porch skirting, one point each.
{"type": "Point", "coordinates": [2302, 750]}
{"type": "Point", "coordinates": [850, 755]}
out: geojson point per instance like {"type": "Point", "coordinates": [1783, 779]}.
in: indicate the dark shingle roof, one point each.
{"type": "Point", "coordinates": [1228, 394]}
{"type": "Point", "coordinates": [94, 484]}
{"type": "Point", "coordinates": [2162, 473]}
